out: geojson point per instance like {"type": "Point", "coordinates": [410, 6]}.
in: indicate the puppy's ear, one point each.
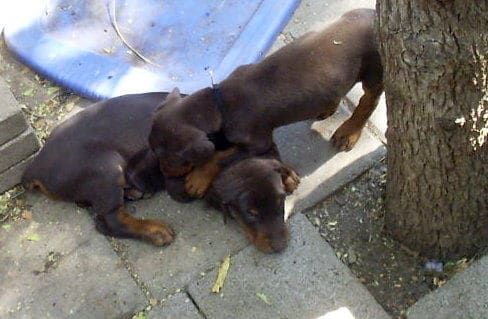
{"type": "Point", "coordinates": [175, 93]}
{"type": "Point", "coordinates": [172, 97]}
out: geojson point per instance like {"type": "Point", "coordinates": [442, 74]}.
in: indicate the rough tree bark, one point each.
{"type": "Point", "coordinates": [435, 54]}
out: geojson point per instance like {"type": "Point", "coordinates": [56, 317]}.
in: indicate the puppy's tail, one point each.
{"type": "Point", "coordinates": [32, 175]}
{"type": "Point", "coordinates": [28, 178]}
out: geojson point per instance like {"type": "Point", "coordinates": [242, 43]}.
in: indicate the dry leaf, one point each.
{"type": "Point", "coordinates": [263, 298]}
{"type": "Point", "coordinates": [33, 237]}
{"type": "Point", "coordinates": [26, 214]}
{"type": "Point", "coordinates": [28, 92]}
{"type": "Point", "coordinates": [52, 90]}
{"type": "Point", "coordinates": [222, 274]}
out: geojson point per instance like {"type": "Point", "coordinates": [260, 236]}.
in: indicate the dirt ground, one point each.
{"type": "Point", "coordinates": [351, 220]}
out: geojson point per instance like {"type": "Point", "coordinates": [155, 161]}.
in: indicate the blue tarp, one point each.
{"type": "Point", "coordinates": [104, 48]}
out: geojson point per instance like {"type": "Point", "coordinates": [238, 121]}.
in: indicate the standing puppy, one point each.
{"type": "Point", "coordinates": [303, 80]}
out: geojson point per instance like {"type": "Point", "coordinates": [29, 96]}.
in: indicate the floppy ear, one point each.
{"type": "Point", "coordinates": [175, 93]}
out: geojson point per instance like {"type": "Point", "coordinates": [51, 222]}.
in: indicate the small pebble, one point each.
{"type": "Point", "coordinates": [434, 266]}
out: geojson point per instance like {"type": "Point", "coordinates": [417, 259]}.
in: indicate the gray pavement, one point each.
{"type": "Point", "coordinates": [305, 281]}
{"type": "Point", "coordinates": [55, 265]}
{"type": "Point", "coordinates": [202, 241]}
{"type": "Point", "coordinates": [323, 170]}
{"type": "Point", "coordinates": [178, 306]}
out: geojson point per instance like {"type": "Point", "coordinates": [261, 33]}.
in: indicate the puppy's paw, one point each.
{"type": "Point", "coordinates": [345, 137]}
{"type": "Point", "coordinates": [197, 182]}
{"type": "Point", "coordinates": [291, 180]}
{"type": "Point", "coordinates": [158, 233]}
{"type": "Point", "coordinates": [133, 194]}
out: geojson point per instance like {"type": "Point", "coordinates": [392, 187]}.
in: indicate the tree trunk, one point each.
{"type": "Point", "coordinates": [435, 54]}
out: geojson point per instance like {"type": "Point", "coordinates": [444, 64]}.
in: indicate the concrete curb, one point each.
{"type": "Point", "coordinates": [18, 141]}
{"type": "Point", "coordinates": [464, 296]}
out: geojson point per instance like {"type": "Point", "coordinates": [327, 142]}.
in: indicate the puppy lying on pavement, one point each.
{"type": "Point", "coordinates": [102, 155]}
{"type": "Point", "coordinates": [253, 192]}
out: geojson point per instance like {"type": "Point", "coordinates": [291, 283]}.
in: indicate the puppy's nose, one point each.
{"type": "Point", "coordinates": [279, 245]}
{"type": "Point", "coordinates": [279, 240]}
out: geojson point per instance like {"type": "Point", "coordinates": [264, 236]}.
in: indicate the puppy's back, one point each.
{"type": "Point", "coordinates": [118, 125]}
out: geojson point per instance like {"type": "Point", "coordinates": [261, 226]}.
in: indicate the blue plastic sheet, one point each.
{"type": "Point", "coordinates": [100, 49]}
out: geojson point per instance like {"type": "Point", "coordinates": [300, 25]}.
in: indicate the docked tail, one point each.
{"type": "Point", "coordinates": [28, 177]}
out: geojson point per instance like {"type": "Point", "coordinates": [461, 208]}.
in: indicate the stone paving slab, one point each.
{"type": "Point", "coordinates": [323, 170]}
{"type": "Point", "coordinates": [18, 149]}
{"type": "Point", "coordinates": [11, 177]}
{"type": "Point", "coordinates": [313, 15]}
{"type": "Point", "coordinates": [57, 266]}
{"type": "Point", "coordinates": [12, 121]}
{"type": "Point", "coordinates": [178, 306]}
{"type": "Point", "coordinates": [463, 296]}
{"type": "Point", "coordinates": [305, 281]}
{"type": "Point", "coordinates": [202, 240]}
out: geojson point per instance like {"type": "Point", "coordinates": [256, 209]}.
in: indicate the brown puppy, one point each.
{"type": "Point", "coordinates": [101, 155]}
{"type": "Point", "coordinates": [303, 80]}
{"type": "Point", "coordinates": [253, 192]}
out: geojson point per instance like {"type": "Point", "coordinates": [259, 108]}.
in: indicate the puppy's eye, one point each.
{"type": "Point", "coordinates": [251, 216]}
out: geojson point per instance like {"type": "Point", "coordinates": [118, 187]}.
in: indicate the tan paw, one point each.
{"type": "Point", "coordinates": [197, 183]}
{"type": "Point", "coordinates": [345, 137]}
{"type": "Point", "coordinates": [291, 181]}
{"type": "Point", "coordinates": [158, 233]}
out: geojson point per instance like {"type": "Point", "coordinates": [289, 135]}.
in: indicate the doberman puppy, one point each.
{"type": "Point", "coordinates": [101, 155]}
{"type": "Point", "coordinates": [305, 79]}
{"type": "Point", "coordinates": [253, 192]}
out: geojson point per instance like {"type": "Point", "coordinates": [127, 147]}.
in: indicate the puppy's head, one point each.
{"type": "Point", "coordinates": [177, 144]}
{"type": "Point", "coordinates": [253, 192]}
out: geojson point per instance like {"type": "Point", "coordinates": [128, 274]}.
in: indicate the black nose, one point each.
{"type": "Point", "coordinates": [279, 244]}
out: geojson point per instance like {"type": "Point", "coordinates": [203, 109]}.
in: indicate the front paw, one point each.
{"type": "Point", "coordinates": [133, 194]}
{"type": "Point", "coordinates": [291, 180]}
{"type": "Point", "coordinates": [158, 233]}
{"type": "Point", "coordinates": [197, 183]}
{"type": "Point", "coordinates": [345, 137]}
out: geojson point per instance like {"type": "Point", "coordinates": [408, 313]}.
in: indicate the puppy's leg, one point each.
{"type": "Point", "coordinates": [120, 223]}
{"type": "Point", "coordinates": [106, 194]}
{"type": "Point", "coordinates": [37, 184]}
{"type": "Point", "coordinates": [346, 136]}
{"type": "Point", "coordinates": [143, 176]}
{"type": "Point", "coordinates": [200, 178]}
{"type": "Point", "coordinates": [132, 193]}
